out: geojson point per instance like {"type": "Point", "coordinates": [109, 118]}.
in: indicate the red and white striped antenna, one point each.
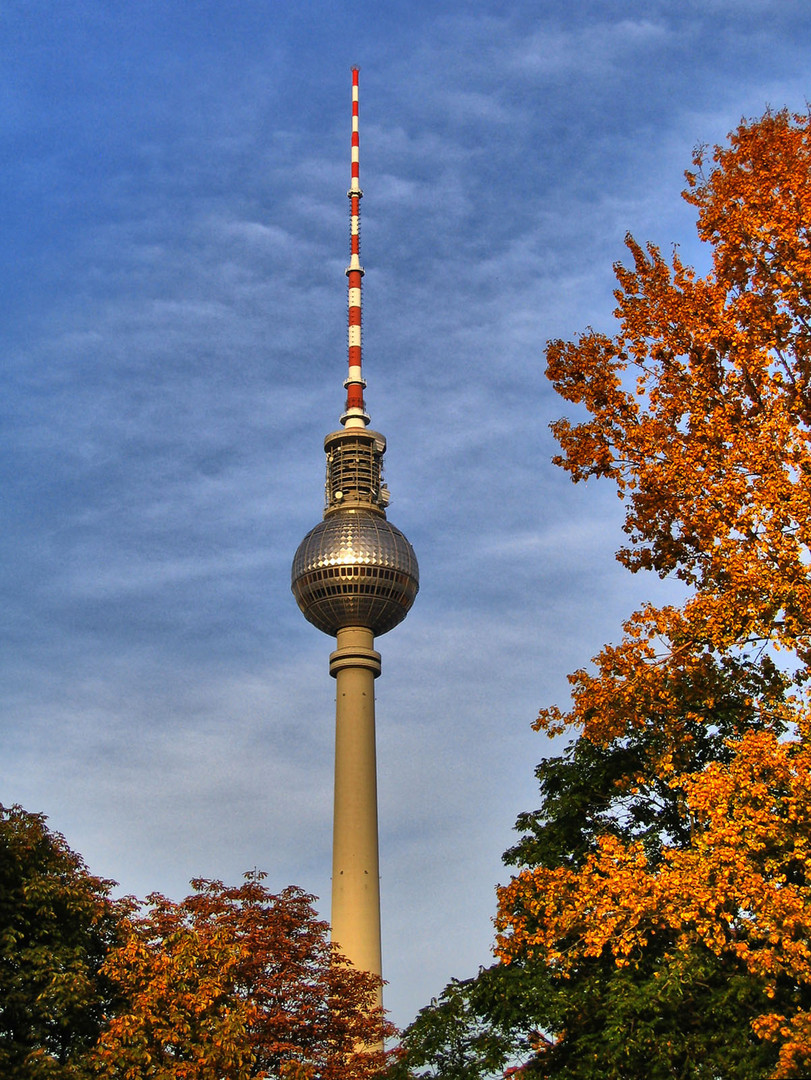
{"type": "Point", "coordinates": [355, 415]}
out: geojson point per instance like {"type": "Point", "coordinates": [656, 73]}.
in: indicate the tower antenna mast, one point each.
{"type": "Point", "coordinates": [355, 415]}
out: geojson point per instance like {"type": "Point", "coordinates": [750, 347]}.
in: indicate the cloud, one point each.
{"type": "Point", "coordinates": [598, 48]}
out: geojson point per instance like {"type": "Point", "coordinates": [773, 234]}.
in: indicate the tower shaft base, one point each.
{"type": "Point", "coordinates": [355, 864]}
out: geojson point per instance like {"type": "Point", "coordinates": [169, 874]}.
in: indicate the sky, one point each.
{"type": "Point", "coordinates": [173, 342]}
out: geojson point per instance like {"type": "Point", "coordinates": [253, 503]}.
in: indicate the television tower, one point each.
{"type": "Point", "coordinates": [355, 576]}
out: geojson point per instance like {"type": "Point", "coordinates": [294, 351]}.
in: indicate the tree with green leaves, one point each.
{"type": "Point", "coordinates": [475, 1029]}
{"type": "Point", "coordinates": [57, 925]}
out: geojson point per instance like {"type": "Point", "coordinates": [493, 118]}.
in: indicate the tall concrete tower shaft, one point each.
{"type": "Point", "coordinates": [355, 576]}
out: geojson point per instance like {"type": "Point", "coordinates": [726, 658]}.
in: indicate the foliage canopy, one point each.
{"type": "Point", "coordinates": [237, 982]}
{"type": "Point", "coordinates": [233, 982]}
{"type": "Point", "coordinates": [57, 924]}
{"type": "Point", "coordinates": [661, 906]}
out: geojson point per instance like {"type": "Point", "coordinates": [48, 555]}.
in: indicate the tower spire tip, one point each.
{"type": "Point", "coordinates": [355, 415]}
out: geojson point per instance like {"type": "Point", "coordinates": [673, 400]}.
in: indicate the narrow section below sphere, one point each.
{"type": "Point", "coordinates": [355, 569]}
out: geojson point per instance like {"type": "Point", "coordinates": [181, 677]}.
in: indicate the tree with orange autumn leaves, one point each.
{"type": "Point", "coordinates": [699, 410]}
{"type": "Point", "coordinates": [658, 923]}
{"type": "Point", "coordinates": [237, 983]}
{"type": "Point", "coordinates": [232, 983]}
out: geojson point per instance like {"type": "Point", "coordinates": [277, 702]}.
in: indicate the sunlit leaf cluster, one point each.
{"type": "Point", "coordinates": [659, 917]}
{"type": "Point", "coordinates": [671, 848]}
{"type": "Point", "coordinates": [237, 982]}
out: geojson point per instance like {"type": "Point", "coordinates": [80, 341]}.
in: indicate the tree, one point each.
{"type": "Point", "coordinates": [686, 860]}
{"type": "Point", "coordinates": [661, 905]}
{"type": "Point", "coordinates": [57, 924]}
{"type": "Point", "coordinates": [238, 982]}
{"type": "Point", "coordinates": [232, 982]}
{"type": "Point", "coordinates": [472, 1031]}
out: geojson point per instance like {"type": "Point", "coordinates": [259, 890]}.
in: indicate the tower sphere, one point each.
{"type": "Point", "coordinates": [355, 569]}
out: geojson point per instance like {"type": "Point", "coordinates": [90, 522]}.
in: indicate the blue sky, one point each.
{"type": "Point", "coordinates": [175, 231]}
